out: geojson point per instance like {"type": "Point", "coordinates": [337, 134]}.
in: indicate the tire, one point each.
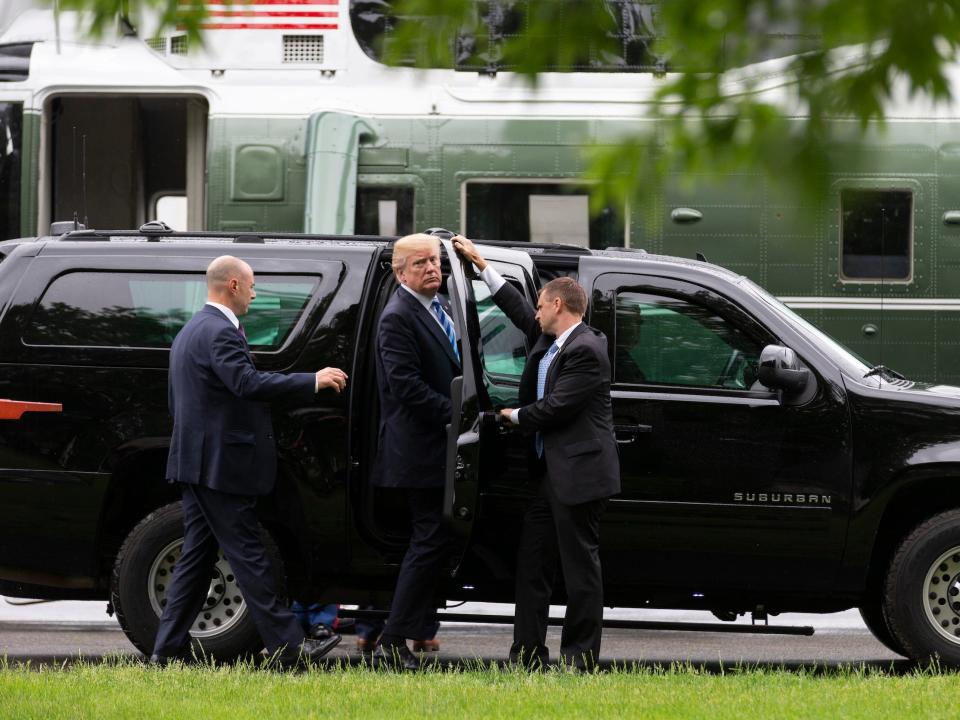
{"type": "Point", "coordinates": [922, 591]}
{"type": "Point", "coordinates": [876, 623]}
{"type": "Point", "coordinates": [223, 631]}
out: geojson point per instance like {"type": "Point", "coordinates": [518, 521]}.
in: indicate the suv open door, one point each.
{"type": "Point", "coordinates": [468, 435]}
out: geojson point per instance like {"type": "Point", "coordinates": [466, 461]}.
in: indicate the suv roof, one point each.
{"type": "Point", "coordinates": [541, 253]}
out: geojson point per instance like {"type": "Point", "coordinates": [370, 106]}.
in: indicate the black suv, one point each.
{"type": "Point", "coordinates": [764, 465]}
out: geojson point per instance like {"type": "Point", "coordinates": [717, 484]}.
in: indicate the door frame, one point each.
{"type": "Point", "coordinates": [196, 137]}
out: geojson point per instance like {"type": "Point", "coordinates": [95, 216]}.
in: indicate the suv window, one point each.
{"type": "Point", "coordinates": [503, 347]}
{"type": "Point", "coordinates": [667, 340]}
{"type": "Point", "coordinates": [147, 310]}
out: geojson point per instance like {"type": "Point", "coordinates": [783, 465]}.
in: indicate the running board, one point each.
{"type": "Point", "coordinates": [620, 624]}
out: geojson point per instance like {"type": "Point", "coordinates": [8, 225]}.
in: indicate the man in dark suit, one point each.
{"type": "Point", "coordinates": [417, 358]}
{"type": "Point", "coordinates": [565, 406]}
{"type": "Point", "coordinates": [222, 454]}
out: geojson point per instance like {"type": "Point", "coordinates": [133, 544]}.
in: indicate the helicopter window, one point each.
{"type": "Point", "coordinates": [537, 211]}
{"type": "Point", "coordinates": [876, 234]}
{"type": "Point", "coordinates": [384, 211]}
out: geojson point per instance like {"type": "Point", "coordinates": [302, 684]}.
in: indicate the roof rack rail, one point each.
{"type": "Point", "coordinates": [538, 247]}
{"type": "Point", "coordinates": [155, 227]}
{"type": "Point", "coordinates": [439, 232]}
{"type": "Point", "coordinates": [60, 227]}
{"type": "Point", "coordinates": [620, 248]}
{"type": "Point", "coordinates": [83, 235]}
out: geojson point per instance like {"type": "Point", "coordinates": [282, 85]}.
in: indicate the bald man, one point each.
{"type": "Point", "coordinates": [222, 455]}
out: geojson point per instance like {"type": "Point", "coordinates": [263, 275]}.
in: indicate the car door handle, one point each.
{"type": "Point", "coordinates": [494, 422]}
{"type": "Point", "coordinates": [626, 434]}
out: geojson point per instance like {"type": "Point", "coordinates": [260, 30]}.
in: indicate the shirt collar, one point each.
{"type": "Point", "coordinates": [562, 337]}
{"type": "Point", "coordinates": [424, 300]}
{"type": "Point", "coordinates": [226, 311]}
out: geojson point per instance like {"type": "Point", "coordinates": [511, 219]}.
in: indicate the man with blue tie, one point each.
{"type": "Point", "coordinates": [222, 455]}
{"type": "Point", "coordinates": [565, 405]}
{"type": "Point", "coordinates": [417, 357]}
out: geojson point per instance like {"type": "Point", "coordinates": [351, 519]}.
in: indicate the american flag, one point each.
{"type": "Point", "coordinates": [271, 15]}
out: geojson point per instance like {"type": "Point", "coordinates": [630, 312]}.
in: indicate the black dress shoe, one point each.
{"type": "Point", "coordinates": [320, 632]}
{"type": "Point", "coordinates": [530, 661]}
{"type": "Point", "coordinates": [397, 657]}
{"type": "Point", "coordinates": [161, 661]}
{"type": "Point", "coordinates": [313, 650]}
{"type": "Point", "coordinates": [310, 651]}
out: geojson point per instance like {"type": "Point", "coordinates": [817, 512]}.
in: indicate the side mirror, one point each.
{"type": "Point", "coordinates": [780, 370]}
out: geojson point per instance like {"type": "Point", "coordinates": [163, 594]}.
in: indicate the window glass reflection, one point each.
{"type": "Point", "coordinates": [667, 340]}
{"type": "Point", "coordinates": [502, 347]}
{"type": "Point", "coordinates": [147, 310]}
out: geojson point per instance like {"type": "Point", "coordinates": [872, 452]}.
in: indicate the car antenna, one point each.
{"type": "Point", "coordinates": [76, 216]}
{"type": "Point", "coordinates": [83, 175]}
{"type": "Point", "coordinates": [701, 257]}
{"type": "Point", "coordinates": [883, 249]}
{"type": "Point", "coordinates": [83, 178]}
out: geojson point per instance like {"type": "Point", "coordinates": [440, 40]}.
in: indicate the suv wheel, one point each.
{"type": "Point", "coordinates": [223, 630]}
{"type": "Point", "coordinates": [873, 618]}
{"type": "Point", "coordinates": [922, 594]}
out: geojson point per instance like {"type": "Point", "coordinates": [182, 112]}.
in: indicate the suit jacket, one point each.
{"type": "Point", "coordinates": [415, 366]}
{"type": "Point", "coordinates": [575, 416]}
{"type": "Point", "coordinates": [222, 432]}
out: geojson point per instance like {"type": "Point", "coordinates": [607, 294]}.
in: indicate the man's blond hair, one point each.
{"type": "Point", "coordinates": [409, 244]}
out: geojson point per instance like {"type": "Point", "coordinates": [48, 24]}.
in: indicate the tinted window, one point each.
{"type": "Point", "coordinates": [630, 22]}
{"type": "Point", "coordinates": [503, 348]}
{"type": "Point", "coordinates": [540, 212]}
{"type": "Point", "coordinates": [147, 310]}
{"type": "Point", "coordinates": [670, 341]}
{"type": "Point", "coordinates": [631, 26]}
{"type": "Point", "coordinates": [11, 145]}
{"type": "Point", "coordinates": [877, 233]}
{"type": "Point", "coordinates": [384, 211]}
{"type": "Point", "coordinates": [15, 62]}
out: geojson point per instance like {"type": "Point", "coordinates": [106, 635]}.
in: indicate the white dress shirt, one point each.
{"type": "Point", "coordinates": [427, 302]}
{"type": "Point", "coordinates": [495, 281]}
{"type": "Point", "coordinates": [561, 339]}
{"type": "Point", "coordinates": [231, 316]}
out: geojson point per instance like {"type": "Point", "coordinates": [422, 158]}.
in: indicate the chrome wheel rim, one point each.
{"type": "Point", "coordinates": [224, 606]}
{"type": "Point", "coordinates": [941, 595]}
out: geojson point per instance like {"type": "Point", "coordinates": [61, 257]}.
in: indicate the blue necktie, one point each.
{"type": "Point", "coordinates": [542, 370]}
{"type": "Point", "coordinates": [447, 324]}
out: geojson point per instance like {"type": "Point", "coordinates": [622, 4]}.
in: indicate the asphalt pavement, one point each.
{"type": "Point", "coordinates": [62, 632]}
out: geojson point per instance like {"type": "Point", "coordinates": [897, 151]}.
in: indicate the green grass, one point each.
{"type": "Point", "coordinates": [125, 689]}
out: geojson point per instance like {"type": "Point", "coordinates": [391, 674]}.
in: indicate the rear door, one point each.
{"type": "Point", "coordinates": [494, 353]}
{"type": "Point", "coordinates": [92, 334]}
